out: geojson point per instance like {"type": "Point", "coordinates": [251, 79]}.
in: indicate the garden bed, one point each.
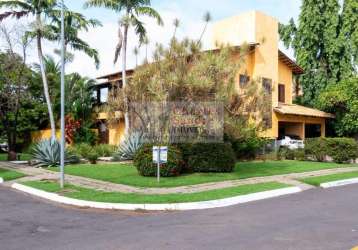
{"type": "Point", "coordinates": [128, 175]}
{"type": "Point", "coordinates": [116, 197]}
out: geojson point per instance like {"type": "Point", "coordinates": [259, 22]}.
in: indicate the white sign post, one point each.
{"type": "Point", "coordinates": [160, 155]}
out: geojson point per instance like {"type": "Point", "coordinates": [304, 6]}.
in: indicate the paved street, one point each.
{"type": "Point", "coordinates": [314, 219]}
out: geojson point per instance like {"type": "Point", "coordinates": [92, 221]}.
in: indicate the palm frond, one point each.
{"type": "Point", "coordinates": [16, 14]}
{"type": "Point", "coordinates": [148, 11]}
{"type": "Point", "coordinates": [109, 4]}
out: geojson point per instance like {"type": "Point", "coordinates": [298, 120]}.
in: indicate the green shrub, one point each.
{"type": "Point", "coordinates": [82, 149]}
{"type": "Point", "coordinates": [342, 149]}
{"type": "Point", "coordinates": [212, 157]}
{"type": "Point", "coordinates": [143, 161]}
{"type": "Point", "coordinates": [316, 148]}
{"type": "Point", "coordinates": [92, 156]}
{"type": "Point", "coordinates": [286, 153]}
{"type": "Point", "coordinates": [186, 151]}
{"type": "Point", "coordinates": [85, 134]}
{"type": "Point", "coordinates": [246, 147]}
{"type": "Point", "coordinates": [47, 154]}
{"type": "Point", "coordinates": [299, 154]}
{"type": "Point", "coordinates": [104, 150]}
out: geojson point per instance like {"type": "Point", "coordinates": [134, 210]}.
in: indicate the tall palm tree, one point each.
{"type": "Point", "coordinates": [39, 9]}
{"type": "Point", "coordinates": [136, 52]}
{"type": "Point", "coordinates": [176, 24]}
{"type": "Point", "coordinates": [130, 11]}
{"type": "Point", "coordinates": [146, 43]}
{"type": "Point", "coordinates": [74, 23]}
{"type": "Point", "coordinates": [206, 18]}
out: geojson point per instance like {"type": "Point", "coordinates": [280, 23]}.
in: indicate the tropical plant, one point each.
{"type": "Point", "coordinates": [146, 44]}
{"type": "Point", "coordinates": [325, 44]}
{"type": "Point", "coordinates": [206, 18]}
{"type": "Point", "coordinates": [176, 24]}
{"type": "Point", "coordinates": [132, 10]}
{"type": "Point", "coordinates": [46, 153]}
{"type": "Point", "coordinates": [92, 156]}
{"type": "Point", "coordinates": [136, 52]}
{"type": "Point", "coordinates": [128, 147]}
{"type": "Point", "coordinates": [74, 23]}
{"type": "Point", "coordinates": [105, 150]}
{"type": "Point", "coordinates": [40, 9]}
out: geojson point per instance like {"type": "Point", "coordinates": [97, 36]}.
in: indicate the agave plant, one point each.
{"type": "Point", "coordinates": [128, 147]}
{"type": "Point", "coordinates": [47, 154]}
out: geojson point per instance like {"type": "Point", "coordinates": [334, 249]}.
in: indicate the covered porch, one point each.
{"type": "Point", "coordinates": [301, 122]}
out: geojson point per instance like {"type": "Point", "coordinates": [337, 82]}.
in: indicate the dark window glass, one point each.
{"type": "Point", "coordinates": [281, 93]}
{"type": "Point", "coordinates": [267, 85]}
{"type": "Point", "coordinates": [244, 80]}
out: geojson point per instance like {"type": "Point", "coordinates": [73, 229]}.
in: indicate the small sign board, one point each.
{"type": "Point", "coordinates": [160, 153]}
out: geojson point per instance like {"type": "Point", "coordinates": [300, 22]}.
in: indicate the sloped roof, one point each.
{"type": "Point", "coordinates": [296, 69]}
{"type": "Point", "coordinates": [293, 109]}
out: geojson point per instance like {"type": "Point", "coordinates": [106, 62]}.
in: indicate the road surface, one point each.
{"type": "Point", "coordinates": [314, 219]}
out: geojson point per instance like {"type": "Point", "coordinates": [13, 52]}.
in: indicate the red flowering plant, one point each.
{"type": "Point", "coordinates": [71, 127]}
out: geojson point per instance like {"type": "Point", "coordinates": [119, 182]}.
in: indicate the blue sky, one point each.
{"type": "Point", "coordinates": [189, 12]}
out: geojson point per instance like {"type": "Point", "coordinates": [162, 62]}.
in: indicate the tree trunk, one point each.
{"type": "Point", "coordinates": [124, 80]}
{"type": "Point", "coordinates": [44, 79]}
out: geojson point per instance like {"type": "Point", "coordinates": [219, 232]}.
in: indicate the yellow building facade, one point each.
{"type": "Point", "coordinates": [265, 64]}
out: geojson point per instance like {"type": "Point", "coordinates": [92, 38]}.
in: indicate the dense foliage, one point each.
{"type": "Point", "coordinates": [212, 157]}
{"type": "Point", "coordinates": [325, 43]}
{"type": "Point", "coordinates": [340, 149]}
{"type": "Point", "coordinates": [144, 163]}
{"type": "Point", "coordinates": [342, 100]}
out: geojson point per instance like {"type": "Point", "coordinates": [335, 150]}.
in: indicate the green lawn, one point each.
{"type": "Point", "coordinates": [23, 157]}
{"type": "Point", "coordinates": [316, 181]}
{"type": "Point", "coordinates": [127, 174]}
{"type": "Point", "coordinates": [9, 175]}
{"type": "Point", "coordinates": [115, 197]}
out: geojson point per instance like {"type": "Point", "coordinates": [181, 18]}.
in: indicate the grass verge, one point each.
{"type": "Point", "coordinates": [115, 197]}
{"type": "Point", "coordinates": [128, 175]}
{"type": "Point", "coordinates": [23, 157]}
{"type": "Point", "coordinates": [9, 175]}
{"type": "Point", "coordinates": [316, 181]}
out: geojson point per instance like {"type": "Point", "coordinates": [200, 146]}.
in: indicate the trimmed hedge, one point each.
{"type": "Point", "coordinates": [340, 149]}
{"type": "Point", "coordinates": [144, 163]}
{"type": "Point", "coordinates": [212, 157]}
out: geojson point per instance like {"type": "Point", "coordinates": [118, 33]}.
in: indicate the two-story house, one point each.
{"type": "Point", "coordinates": [264, 63]}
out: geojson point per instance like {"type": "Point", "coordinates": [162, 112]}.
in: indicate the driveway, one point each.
{"type": "Point", "coordinates": [314, 219]}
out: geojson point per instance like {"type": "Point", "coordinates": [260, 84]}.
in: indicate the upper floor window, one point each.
{"type": "Point", "coordinates": [281, 93]}
{"type": "Point", "coordinates": [267, 85]}
{"type": "Point", "coordinates": [244, 80]}
{"type": "Point", "coordinates": [103, 95]}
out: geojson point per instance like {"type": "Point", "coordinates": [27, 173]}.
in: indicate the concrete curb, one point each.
{"type": "Point", "coordinates": [1, 180]}
{"type": "Point", "coordinates": [152, 207]}
{"type": "Point", "coordinates": [339, 183]}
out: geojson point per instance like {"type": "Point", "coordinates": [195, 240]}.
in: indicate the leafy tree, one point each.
{"type": "Point", "coordinates": [130, 11]}
{"type": "Point", "coordinates": [342, 99]}
{"type": "Point", "coordinates": [323, 42]}
{"type": "Point", "coordinates": [21, 110]}
{"type": "Point", "coordinates": [40, 9]}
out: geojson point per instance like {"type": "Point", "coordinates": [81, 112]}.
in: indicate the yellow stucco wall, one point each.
{"type": "Point", "coordinates": [43, 134]}
{"type": "Point", "coordinates": [116, 132]}
{"type": "Point", "coordinates": [285, 77]}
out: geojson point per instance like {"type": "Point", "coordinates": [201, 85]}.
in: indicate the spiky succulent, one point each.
{"type": "Point", "coordinates": [128, 147]}
{"type": "Point", "coordinates": [46, 153]}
